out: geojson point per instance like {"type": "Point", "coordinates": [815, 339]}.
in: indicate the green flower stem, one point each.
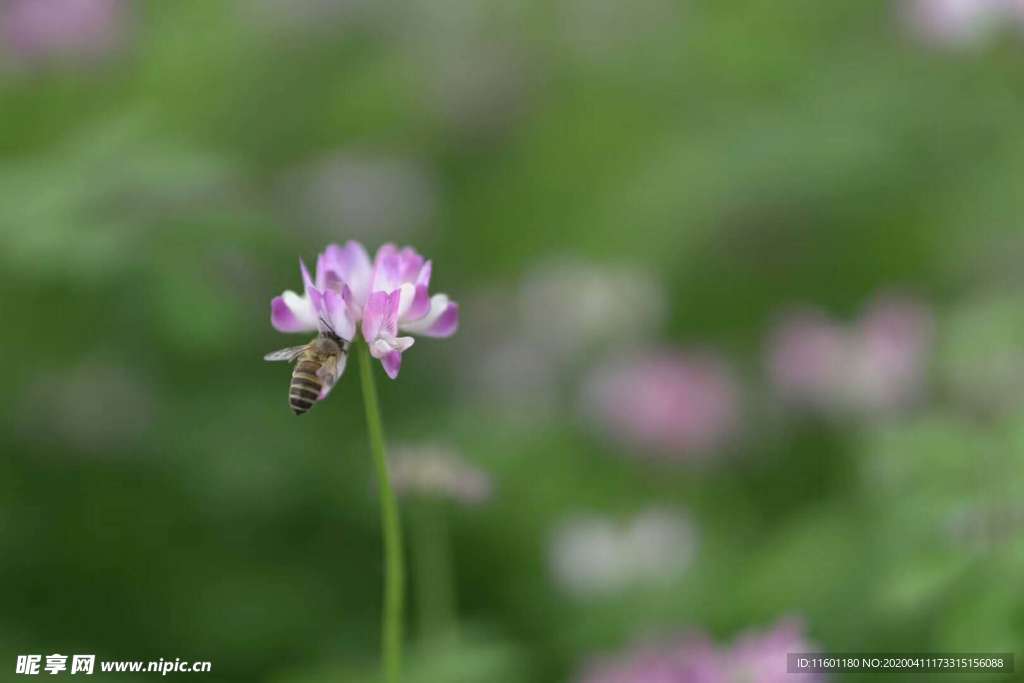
{"type": "Point", "coordinates": [431, 554]}
{"type": "Point", "coordinates": [394, 579]}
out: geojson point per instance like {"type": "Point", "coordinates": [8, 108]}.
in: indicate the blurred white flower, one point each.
{"type": "Point", "coordinates": [96, 408]}
{"type": "Point", "coordinates": [593, 555]}
{"type": "Point", "coordinates": [569, 304]}
{"type": "Point", "coordinates": [527, 340]}
{"type": "Point", "coordinates": [371, 197]}
{"type": "Point", "coordinates": [437, 471]}
{"type": "Point", "coordinates": [984, 524]}
{"type": "Point", "coordinates": [45, 30]}
{"type": "Point", "coordinates": [473, 66]}
{"type": "Point", "coordinates": [515, 374]}
{"type": "Point", "coordinates": [602, 30]}
{"type": "Point", "coordinates": [874, 366]}
{"type": "Point", "coordinates": [481, 96]}
{"type": "Point", "coordinates": [981, 354]}
{"type": "Point", "coordinates": [306, 15]}
{"type": "Point", "coordinates": [679, 405]}
{"type": "Point", "coordinates": [960, 22]}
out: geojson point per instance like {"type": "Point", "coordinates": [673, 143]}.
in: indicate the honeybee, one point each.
{"type": "Point", "coordinates": [320, 364]}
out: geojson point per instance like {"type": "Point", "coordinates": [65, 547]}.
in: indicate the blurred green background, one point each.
{"type": "Point", "coordinates": [164, 165]}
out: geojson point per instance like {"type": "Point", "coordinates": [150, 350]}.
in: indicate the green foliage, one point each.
{"type": "Point", "coordinates": [752, 155]}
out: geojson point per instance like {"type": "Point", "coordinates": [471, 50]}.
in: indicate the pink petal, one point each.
{"type": "Point", "coordinates": [283, 318]}
{"type": "Point", "coordinates": [355, 310]}
{"type": "Point", "coordinates": [441, 321]}
{"type": "Point", "coordinates": [316, 298]}
{"type": "Point", "coordinates": [393, 268]}
{"type": "Point", "coordinates": [352, 265]}
{"type": "Point", "coordinates": [424, 275]}
{"type": "Point", "coordinates": [386, 269]}
{"type": "Point", "coordinates": [420, 304]}
{"type": "Point", "coordinates": [446, 324]}
{"type": "Point", "coordinates": [307, 281]}
{"type": "Point", "coordinates": [333, 256]}
{"type": "Point", "coordinates": [410, 263]}
{"type": "Point", "coordinates": [324, 273]}
{"type": "Point", "coordinates": [373, 315]}
{"type": "Point", "coordinates": [392, 363]}
{"type": "Point", "coordinates": [292, 313]}
{"type": "Point", "coordinates": [389, 326]}
{"type": "Point", "coordinates": [313, 292]}
{"type": "Point", "coordinates": [336, 314]}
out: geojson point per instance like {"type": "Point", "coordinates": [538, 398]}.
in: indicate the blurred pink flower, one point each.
{"type": "Point", "coordinates": [530, 339]}
{"type": "Point", "coordinates": [960, 22]}
{"type": "Point", "coordinates": [38, 30]}
{"type": "Point", "coordinates": [434, 471]}
{"type": "Point", "coordinates": [668, 402]}
{"type": "Point", "coordinates": [805, 358]}
{"type": "Point", "coordinates": [385, 297]}
{"type": "Point", "coordinates": [893, 340]}
{"type": "Point", "coordinates": [690, 659]}
{"type": "Point", "coordinates": [756, 657]}
{"type": "Point", "coordinates": [760, 656]}
{"type": "Point", "coordinates": [875, 365]}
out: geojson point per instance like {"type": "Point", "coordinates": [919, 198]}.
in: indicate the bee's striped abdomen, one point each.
{"type": "Point", "coordinates": [305, 386]}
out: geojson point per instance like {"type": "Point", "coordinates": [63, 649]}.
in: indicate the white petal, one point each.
{"type": "Point", "coordinates": [408, 293]}
{"type": "Point", "coordinates": [380, 348]}
{"type": "Point", "coordinates": [438, 305]}
{"type": "Point", "coordinates": [302, 308]}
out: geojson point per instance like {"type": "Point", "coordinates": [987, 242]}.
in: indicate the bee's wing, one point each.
{"type": "Point", "coordinates": [289, 354]}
